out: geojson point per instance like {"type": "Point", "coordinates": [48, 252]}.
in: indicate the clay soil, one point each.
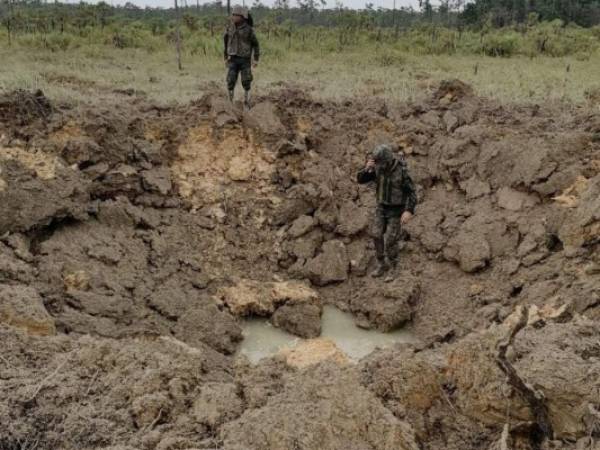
{"type": "Point", "coordinates": [134, 239]}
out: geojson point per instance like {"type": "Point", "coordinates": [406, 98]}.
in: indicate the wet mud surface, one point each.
{"type": "Point", "coordinates": [135, 240]}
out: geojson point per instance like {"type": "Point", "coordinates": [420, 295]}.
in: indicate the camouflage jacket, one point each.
{"type": "Point", "coordinates": [394, 185]}
{"type": "Point", "coordinates": [241, 41]}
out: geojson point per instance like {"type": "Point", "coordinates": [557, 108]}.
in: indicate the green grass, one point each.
{"type": "Point", "coordinates": [84, 73]}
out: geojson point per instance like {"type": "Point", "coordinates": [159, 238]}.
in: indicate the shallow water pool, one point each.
{"type": "Point", "coordinates": [261, 339]}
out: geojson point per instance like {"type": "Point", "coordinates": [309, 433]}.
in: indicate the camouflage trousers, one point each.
{"type": "Point", "coordinates": [386, 230]}
{"type": "Point", "coordinates": [236, 66]}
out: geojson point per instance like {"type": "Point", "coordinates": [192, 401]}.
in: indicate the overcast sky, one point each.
{"type": "Point", "coordinates": [331, 3]}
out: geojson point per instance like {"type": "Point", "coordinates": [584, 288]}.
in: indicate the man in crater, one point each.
{"type": "Point", "coordinates": [396, 202]}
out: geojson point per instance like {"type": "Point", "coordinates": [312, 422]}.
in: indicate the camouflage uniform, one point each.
{"type": "Point", "coordinates": [395, 195]}
{"type": "Point", "coordinates": [240, 44]}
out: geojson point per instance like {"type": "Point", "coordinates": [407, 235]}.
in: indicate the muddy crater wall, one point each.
{"type": "Point", "coordinates": [134, 238]}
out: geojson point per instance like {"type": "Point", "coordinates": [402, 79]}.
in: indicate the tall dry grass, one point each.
{"type": "Point", "coordinates": [91, 69]}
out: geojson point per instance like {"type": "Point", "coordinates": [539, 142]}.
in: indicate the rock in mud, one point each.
{"type": "Point", "coordinates": [327, 215]}
{"type": "Point", "coordinates": [217, 403]}
{"type": "Point", "coordinates": [582, 225]}
{"type": "Point", "coordinates": [81, 150]}
{"type": "Point", "coordinates": [359, 257]}
{"type": "Point", "coordinates": [240, 168]}
{"type": "Point", "coordinates": [258, 383]}
{"type": "Point", "coordinates": [22, 307]}
{"type": "Point", "coordinates": [475, 188]}
{"type": "Point", "coordinates": [171, 300]}
{"type": "Point", "coordinates": [157, 180]}
{"type": "Point", "coordinates": [222, 111]}
{"type": "Point", "coordinates": [148, 408]}
{"type": "Point", "coordinates": [30, 201]}
{"type": "Point", "coordinates": [76, 280]}
{"type": "Point", "coordinates": [513, 200]}
{"type": "Point", "coordinates": [96, 171]}
{"type": "Point", "coordinates": [285, 147]}
{"type": "Point", "coordinates": [389, 306]}
{"type": "Point", "coordinates": [323, 407]}
{"type": "Point", "coordinates": [290, 209]}
{"type": "Point", "coordinates": [451, 121]}
{"type": "Point", "coordinates": [571, 195]}
{"type": "Point", "coordinates": [264, 118]}
{"type": "Point", "coordinates": [352, 219]}
{"type": "Point", "coordinates": [513, 163]}
{"type": "Point", "coordinates": [312, 352]}
{"type": "Point", "coordinates": [206, 324]}
{"type": "Point", "coordinates": [122, 180]}
{"type": "Point", "coordinates": [470, 249]}
{"type": "Point", "coordinates": [249, 297]}
{"type": "Point", "coordinates": [21, 246]}
{"type": "Point", "coordinates": [330, 266]}
{"type": "Point", "coordinates": [431, 118]}
{"type": "Point", "coordinates": [14, 268]}
{"type": "Point", "coordinates": [300, 319]}
{"type": "Point", "coordinates": [433, 241]}
{"type": "Point", "coordinates": [301, 226]}
{"type": "Point", "coordinates": [305, 246]}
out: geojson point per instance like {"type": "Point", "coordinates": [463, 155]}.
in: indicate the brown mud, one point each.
{"type": "Point", "coordinates": [134, 238]}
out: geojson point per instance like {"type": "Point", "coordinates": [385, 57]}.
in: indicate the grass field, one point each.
{"type": "Point", "coordinates": [81, 74]}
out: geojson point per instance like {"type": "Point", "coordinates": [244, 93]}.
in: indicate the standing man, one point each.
{"type": "Point", "coordinates": [240, 46]}
{"type": "Point", "coordinates": [396, 202]}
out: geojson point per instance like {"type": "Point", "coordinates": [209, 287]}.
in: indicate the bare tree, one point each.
{"type": "Point", "coordinates": [395, 22]}
{"type": "Point", "coordinates": [8, 22]}
{"type": "Point", "coordinates": [178, 36]}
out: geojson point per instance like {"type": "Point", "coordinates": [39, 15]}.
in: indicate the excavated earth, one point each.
{"type": "Point", "coordinates": [134, 240]}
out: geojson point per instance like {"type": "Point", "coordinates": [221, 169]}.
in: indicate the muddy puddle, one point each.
{"type": "Point", "coordinates": [261, 339]}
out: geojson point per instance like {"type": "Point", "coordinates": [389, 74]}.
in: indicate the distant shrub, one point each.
{"type": "Point", "coordinates": [30, 40]}
{"type": "Point", "coordinates": [502, 44]}
{"type": "Point", "coordinates": [60, 41]}
{"type": "Point", "coordinates": [133, 37]}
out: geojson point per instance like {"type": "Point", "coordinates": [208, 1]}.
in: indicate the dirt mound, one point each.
{"type": "Point", "coordinates": [322, 407]}
{"type": "Point", "coordinates": [92, 390]}
{"type": "Point", "coordinates": [126, 231]}
{"type": "Point", "coordinates": [23, 107]}
{"type": "Point", "coordinates": [452, 90]}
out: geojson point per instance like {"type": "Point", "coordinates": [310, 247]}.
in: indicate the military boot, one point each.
{"type": "Point", "coordinates": [231, 96]}
{"type": "Point", "coordinates": [380, 270]}
{"type": "Point", "coordinates": [247, 99]}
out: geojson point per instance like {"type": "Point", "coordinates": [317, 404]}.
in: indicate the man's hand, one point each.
{"type": "Point", "coordinates": [370, 164]}
{"type": "Point", "coordinates": [254, 64]}
{"type": "Point", "coordinates": [405, 218]}
{"type": "Point", "coordinates": [226, 62]}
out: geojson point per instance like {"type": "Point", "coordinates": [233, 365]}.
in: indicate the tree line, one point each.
{"type": "Point", "coordinates": [35, 15]}
{"type": "Point", "coordinates": [498, 28]}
